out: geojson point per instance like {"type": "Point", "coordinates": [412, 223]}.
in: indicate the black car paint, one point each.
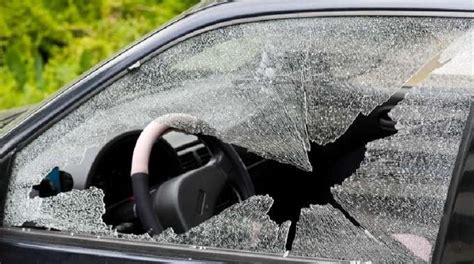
{"type": "Point", "coordinates": [455, 225]}
{"type": "Point", "coordinates": [52, 247]}
{"type": "Point", "coordinates": [455, 241]}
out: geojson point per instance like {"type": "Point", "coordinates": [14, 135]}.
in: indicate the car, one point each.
{"type": "Point", "coordinates": [255, 131]}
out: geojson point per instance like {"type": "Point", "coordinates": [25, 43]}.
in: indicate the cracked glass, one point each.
{"type": "Point", "coordinates": [400, 188]}
{"type": "Point", "coordinates": [243, 226]}
{"type": "Point", "coordinates": [275, 88]}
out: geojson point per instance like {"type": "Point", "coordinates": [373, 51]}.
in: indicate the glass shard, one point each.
{"type": "Point", "coordinates": [323, 231]}
{"type": "Point", "coordinates": [75, 211]}
{"type": "Point", "coordinates": [400, 189]}
{"type": "Point", "coordinates": [244, 226]}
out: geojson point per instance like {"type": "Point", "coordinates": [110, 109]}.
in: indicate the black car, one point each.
{"type": "Point", "coordinates": [256, 131]}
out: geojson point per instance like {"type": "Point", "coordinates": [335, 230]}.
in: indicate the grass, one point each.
{"type": "Point", "coordinates": [45, 44]}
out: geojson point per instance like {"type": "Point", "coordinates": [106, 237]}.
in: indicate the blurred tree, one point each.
{"type": "Point", "coordinates": [46, 43]}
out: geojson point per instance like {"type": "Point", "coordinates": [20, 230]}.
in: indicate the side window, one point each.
{"type": "Point", "coordinates": [348, 128]}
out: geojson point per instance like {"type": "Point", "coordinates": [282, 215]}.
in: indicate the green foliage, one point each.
{"type": "Point", "coordinates": [46, 43]}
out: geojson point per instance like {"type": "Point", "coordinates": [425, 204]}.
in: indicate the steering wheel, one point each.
{"type": "Point", "coordinates": [190, 198]}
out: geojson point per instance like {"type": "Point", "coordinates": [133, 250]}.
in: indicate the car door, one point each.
{"type": "Point", "coordinates": [280, 87]}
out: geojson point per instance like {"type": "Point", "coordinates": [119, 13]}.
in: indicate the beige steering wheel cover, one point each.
{"type": "Point", "coordinates": [154, 130]}
{"type": "Point", "coordinates": [145, 142]}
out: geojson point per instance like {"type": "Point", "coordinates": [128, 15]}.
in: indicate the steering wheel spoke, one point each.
{"type": "Point", "coordinates": [189, 199]}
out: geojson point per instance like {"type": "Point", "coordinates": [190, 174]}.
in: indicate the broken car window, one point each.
{"type": "Point", "coordinates": [279, 89]}
{"type": "Point", "coordinates": [244, 226]}
{"type": "Point", "coordinates": [401, 186]}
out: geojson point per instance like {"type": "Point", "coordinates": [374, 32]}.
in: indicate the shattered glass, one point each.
{"type": "Point", "coordinates": [75, 211]}
{"type": "Point", "coordinates": [401, 186]}
{"type": "Point", "coordinates": [400, 189]}
{"type": "Point", "coordinates": [272, 87]}
{"type": "Point", "coordinates": [244, 226]}
{"type": "Point", "coordinates": [340, 86]}
{"type": "Point", "coordinates": [323, 231]}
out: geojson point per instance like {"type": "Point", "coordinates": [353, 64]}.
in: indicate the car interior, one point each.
{"type": "Point", "coordinates": [175, 158]}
